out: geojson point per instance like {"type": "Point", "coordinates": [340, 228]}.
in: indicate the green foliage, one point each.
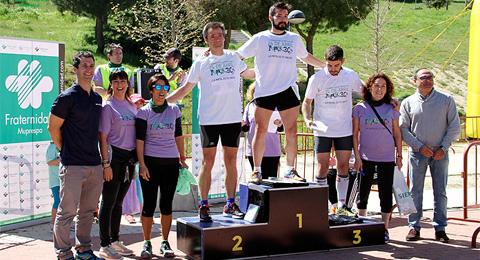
{"type": "Point", "coordinates": [437, 4]}
{"type": "Point", "coordinates": [162, 25]}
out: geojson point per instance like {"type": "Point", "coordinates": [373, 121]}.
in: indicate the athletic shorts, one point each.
{"type": "Point", "coordinates": [229, 134]}
{"type": "Point", "coordinates": [282, 101]}
{"type": "Point", "coordinates": [324, 144]}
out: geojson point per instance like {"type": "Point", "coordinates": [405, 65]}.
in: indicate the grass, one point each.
{"type": "Point", "coordinates": [77, 32]}
{"type": "Point", "coordinates": [356, 43]}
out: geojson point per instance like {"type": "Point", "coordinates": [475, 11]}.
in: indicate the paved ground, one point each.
{"type": "Point", "coordinates": [35, 242]}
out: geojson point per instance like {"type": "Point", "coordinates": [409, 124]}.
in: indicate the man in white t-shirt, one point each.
{"type": "Point", "coordinates": [219, 112]}
{"type": "Point", "coordinates": [276, 51]}
{"type": "Point", "coordinates": [332, 90]}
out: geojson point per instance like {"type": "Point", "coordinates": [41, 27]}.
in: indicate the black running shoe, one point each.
{"type": "Point", "coordinates": [233, 211]}
{"type": "Point", "coordinates": [204, 214]}
{"type": "Point", "coordinates": [147, 250]}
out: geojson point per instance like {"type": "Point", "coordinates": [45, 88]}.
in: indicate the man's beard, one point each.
{"type": "Point", "coordinates": [280, 26]}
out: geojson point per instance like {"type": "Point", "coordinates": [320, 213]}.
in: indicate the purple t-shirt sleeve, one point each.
{"type": "Point", "coordinates": [355, 111]}
{"type": "Point", "coordinates": [131, 80]}
{"type": "Point", "coordinates": [97, 76]}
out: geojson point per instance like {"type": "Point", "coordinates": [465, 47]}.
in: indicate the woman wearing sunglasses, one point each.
{"type": "Point", "coordinates": [161, 153]}
{"type": "Point", "coordinates": [117, 129]}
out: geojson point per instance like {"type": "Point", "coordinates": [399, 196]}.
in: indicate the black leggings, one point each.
{"type": "Point", "coordinates": [114, 191]}
{"type": "Point", "coordinates": [385, 182]}
{"type": "Point", "coordinates": [163, 176]}
{"type": "Point", "coordinates": [269, 166]}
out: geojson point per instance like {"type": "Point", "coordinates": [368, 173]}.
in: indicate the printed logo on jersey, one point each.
{"type": "Point", "coordinates": [373, 120]}
{"type": "Point", "coordinates": [280, 46]}
{"type": "Point", "coordinates": [222, 68]}
{"type": "Point", "coordinates": [337, 92]}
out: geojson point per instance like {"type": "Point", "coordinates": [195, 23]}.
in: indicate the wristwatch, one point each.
{"type": "Point", "coordinates": [444, 148]}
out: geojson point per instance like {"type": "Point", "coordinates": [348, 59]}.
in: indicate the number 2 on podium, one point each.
{"type": "Point", "coordinates": [357, 238]}
{"type": "Point", "coordinates": [299, 216]}
{"type": "Point", "coordinates": [237, 246]}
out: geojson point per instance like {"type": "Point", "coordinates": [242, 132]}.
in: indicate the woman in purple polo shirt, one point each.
{"type": "Point", "coordinates": [374, 143]}
{"type": "Point", "coordinates": [117, 129]}
{"type": "Point", "coordinates": [273, 149]}
{"type": "Point", "coordinates": [161, 153]}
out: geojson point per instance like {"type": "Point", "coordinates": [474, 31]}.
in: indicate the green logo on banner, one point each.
{"type": "Point", "coordinates": [29, 83]}
{"type": "Point", "coordinates": [27, 91]}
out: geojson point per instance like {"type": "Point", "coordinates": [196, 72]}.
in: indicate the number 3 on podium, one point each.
{"type": "Point", "coordinates": [357, 238]}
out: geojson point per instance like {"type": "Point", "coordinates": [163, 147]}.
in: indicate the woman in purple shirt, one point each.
{"type": "Point", "coordinates": [161, 153]}
{"type": "Point", "coordinates": [374, 143]}
{"type": "Point", "coordinates": [117, 129]}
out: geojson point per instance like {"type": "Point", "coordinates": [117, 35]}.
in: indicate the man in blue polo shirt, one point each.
{"type": "Point", "coordinates": [73, 126]}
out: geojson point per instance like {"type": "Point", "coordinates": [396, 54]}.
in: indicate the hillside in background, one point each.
{"type": "Point", "coordinates": [46, 23]}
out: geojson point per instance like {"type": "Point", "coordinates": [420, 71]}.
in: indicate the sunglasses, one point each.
{"type": "Point", "coordinates": [164, 87]}
{"type": "Point", "coordinates": [119, 69]}
{"type": "Point", "coordinates": [424, 78]}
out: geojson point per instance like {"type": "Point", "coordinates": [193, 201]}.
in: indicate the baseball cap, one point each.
{"type": "Point", "coordinates": [173, 53]}
{"type": "Point", "coordinates": [136, 97]}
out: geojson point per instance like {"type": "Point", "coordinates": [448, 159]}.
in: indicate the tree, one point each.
{"type": "Point", "coordinates": [326, 16]}
{"type": "Point", "coordinates": [437, 4]}
{"type": "Point", "coordinates": [163, 24]}
{"type": "Point", "coordinates": [380, 56]}
{"type": "Point", "coordinates": [97, 9]}
{"type": "Point", "coordinates": [229, 12]}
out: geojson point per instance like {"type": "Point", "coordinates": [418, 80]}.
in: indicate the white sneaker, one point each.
{"type": "Point", "coordinates": [109, 253]}
{"type": "Point", "coordinates": [121, 248]}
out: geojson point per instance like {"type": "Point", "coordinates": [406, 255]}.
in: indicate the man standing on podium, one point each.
{"type": "Point", "coordinates": [276, 51]}
{"type": "Point", "coordinates": [219, 112]}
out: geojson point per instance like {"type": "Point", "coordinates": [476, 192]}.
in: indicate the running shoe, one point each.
{"type": "Point", "coordinates": [256, 177]}
{"type": "Point", "coordinates": [346, 212]}
{"type": "Point", "coordinates": [387, 236]}
{"type": "Point", "coordinates": [204, 214]}
{"type": "Point", "coordinates": [147, 250]}
{"type": "Point", "coordinates": [166, 250]}
{"type": "Point", "coordinates": [88, 255]}
{"type": "Point", "coordinates": [233, 211]}
{"type": "Point", "coordinates": [121, 248]}
{"type": "Point", "coordinates": [109, 253]}
{"type": "Point", "coordinates": [292, 174]}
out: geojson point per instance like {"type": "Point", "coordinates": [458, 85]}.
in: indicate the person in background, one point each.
{"type": "Point", "coordinates": [273, 149]}
{"type": "Point", "coordinates": [377, 143]}
{"type": "Point", "coordinates": [102, 72]}
{"type": "Point", "coordinates": [176, 76]}
{"type": "Point", "coordinates": [53, 161]}
{"type": "Point", "coordinates": [161, 154]}
{"type": "Point", "coordinates": [133, 201]}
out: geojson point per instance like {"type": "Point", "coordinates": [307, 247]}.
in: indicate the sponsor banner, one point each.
{"type": "Point", "coordinates": [29, 83]}
{"type": "Point", "coordinates": [24, 190]}
{"type": "Point", "coordinates": [30, 75]}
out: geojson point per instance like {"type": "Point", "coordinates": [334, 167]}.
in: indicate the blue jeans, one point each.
{"type": "Point", "coordinates": [439, 173]}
